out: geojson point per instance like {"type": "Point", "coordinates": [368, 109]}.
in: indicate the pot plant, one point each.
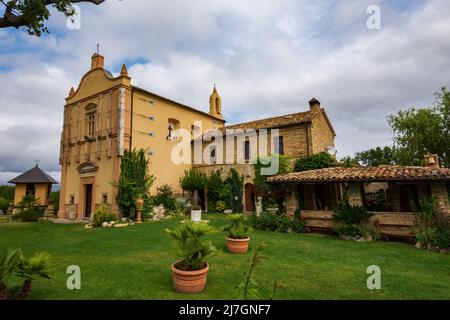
{"type": "Point", "coordinates": [237, 239]}
{"type": "Point", "coordinates": [196, 213]}
{"type": "Point", "coordinates": [189, 273]}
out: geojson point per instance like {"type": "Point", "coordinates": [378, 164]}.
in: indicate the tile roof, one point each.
{"type": "Point", "coordinates": [35, 175]}
{"type": "Point", "coordinates": [369, 174]}
{"type": "Point", "coordinates": [276, 122]}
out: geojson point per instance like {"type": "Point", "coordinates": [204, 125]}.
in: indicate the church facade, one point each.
{"type": "Point", "coordinates": [107, 115]}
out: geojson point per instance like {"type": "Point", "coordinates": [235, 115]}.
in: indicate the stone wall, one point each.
{"type": "Point", "coordinates": [440, 192]}
{"type": "Point", "coordinates": [322, 137]}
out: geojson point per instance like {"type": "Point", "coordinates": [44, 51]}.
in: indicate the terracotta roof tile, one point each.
{"type": "Point", "coordinates": [379, 174]}
{"type": "Point", "coordinates": [275, 122]}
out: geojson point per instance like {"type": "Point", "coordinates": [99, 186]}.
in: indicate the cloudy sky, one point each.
{"type": "Point", "coordinates": [267, 57]}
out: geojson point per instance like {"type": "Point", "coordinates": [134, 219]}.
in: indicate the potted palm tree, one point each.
{"type": "Point", "coordinates": [189, 273]}
{"type": "Point", "coordinates": [237, 239]}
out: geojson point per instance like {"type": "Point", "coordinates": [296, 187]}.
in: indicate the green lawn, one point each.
{"type": "Point", "coordinates": [134, 263]}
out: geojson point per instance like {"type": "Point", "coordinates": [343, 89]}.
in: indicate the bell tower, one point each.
{"type": "Point", "coordinates": [215, 104]}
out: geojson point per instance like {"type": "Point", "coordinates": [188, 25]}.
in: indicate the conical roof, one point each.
{"type": "Point", "coordinates": [35, 175]}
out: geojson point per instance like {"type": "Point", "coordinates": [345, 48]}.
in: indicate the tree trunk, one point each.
{"type": "Point", "coordinates": [25, 291]}
{"type": "Point", "coordinates": [5, 293]}
{"type": "Point", "coordinates": [195, 198]}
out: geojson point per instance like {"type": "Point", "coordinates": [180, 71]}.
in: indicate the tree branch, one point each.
{"type": "Point", "coordinates": [10, 19]}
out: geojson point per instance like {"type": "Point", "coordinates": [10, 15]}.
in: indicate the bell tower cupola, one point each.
{"type": "Point", "coordinates": [215, 104]}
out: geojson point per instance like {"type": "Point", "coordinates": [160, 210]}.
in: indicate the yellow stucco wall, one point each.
{"type": "Point", "coordinates": [97, 89]}
{"type": "Point", "coordinates": [41, 193]}
{"type": "Point", "coordinates": [151, 116]}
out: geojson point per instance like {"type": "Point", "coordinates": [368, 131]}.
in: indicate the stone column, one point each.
{"type": "Point", "coordinates": [439, 191]}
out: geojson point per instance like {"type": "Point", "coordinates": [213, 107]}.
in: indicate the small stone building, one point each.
{"type": "Point", "coordinates": [34, 181]}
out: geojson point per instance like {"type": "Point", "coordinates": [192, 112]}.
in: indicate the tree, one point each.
{"type": "Point", "coordinates": [377, 156]}
{"type": "Point", "coordinates": [269, 192]}
{"type": "Point", "coordinates": [134, 182]}
{"type": "Point", "coordinates": [235, 183]}
{"type": "Point", "coordinates": [32, 14]}
{"type": "Point", "coordinates": [315, 161]}
{"type": "Point", "coordinates": [12, 262]}
{"type": "Point", "coordinates": [421, 131]}
{"type": "Point", "coordinates": [192, 181]}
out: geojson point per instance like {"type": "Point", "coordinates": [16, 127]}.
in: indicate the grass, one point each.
{"type": "Point", "coordinates": [134, 263]}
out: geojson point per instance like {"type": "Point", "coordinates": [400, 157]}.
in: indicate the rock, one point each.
{"type": "Point", "coordinates": [123, 220]}
{"type": "Point", "coordinates": [445, 251]}
{"type": "Point", "coordinates": [418, 245]}
{"type": "Point", "coordinates": [104, 224]}
{"type": "Point", "coordinates": [369, 238]}
{"type": "Point", "coordinates": [109, 225]}
{"type": "Point", "coordinates": [228, 211]}
{"type": "Point", "coordinates": [120, 225]}
{"type": "Point", "coordinates": [112, 222]}
{"type": "Point", "coordinates": [345, 237]}
{"type": "Point", "coordinates": [88, 226]}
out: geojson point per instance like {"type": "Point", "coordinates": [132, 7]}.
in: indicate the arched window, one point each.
{"type": "Point", "coordinates": [172, 126]}
{"type": "Point", "coordinates": [90, 112]}
{"type": "Point", "coordinates": [217, 105]}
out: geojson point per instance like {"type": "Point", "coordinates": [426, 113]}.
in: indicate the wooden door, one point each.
{"type": "Point", "coordinates": [88, 200]}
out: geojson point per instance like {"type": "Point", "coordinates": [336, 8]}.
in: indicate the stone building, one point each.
{"type": "Point", "coordinates": [107, 115]}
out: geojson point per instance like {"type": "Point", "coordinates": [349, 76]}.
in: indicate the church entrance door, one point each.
{"type": "Point", "coordinates": [88, 200]}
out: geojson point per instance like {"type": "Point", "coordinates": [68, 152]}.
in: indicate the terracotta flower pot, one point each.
{"type": "Point", "coordinates": [237, 245]}
{"type": "Point", "coordinates": [189, 281]}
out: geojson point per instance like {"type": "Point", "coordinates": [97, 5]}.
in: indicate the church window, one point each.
{"type": "Point", "coordinates": [72, 199]}
{"type": "Point", "coordinates": [213, 158]}
{"type": "Point", "coordinates": [173, 125]}
{"type": "Point", "coordinates": [247, 150]}
{"type": "Point", "coordinates": [217, 105]}
{"type": "Point", "coordinates": [91, 124]}
{"type": "Point", "coordinates": [104, 198]}
{"type": "Point", "coordinates": [90, 110]}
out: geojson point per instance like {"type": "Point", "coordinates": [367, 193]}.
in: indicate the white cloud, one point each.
{"type": "Point", "coordinates": [266, 59]}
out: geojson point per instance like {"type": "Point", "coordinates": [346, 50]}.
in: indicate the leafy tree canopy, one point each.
{"type": "Point", "coordinates": [32, 14]}
{"type": "Point", "coordinates": [421, 131]}
{"type": "Point", "coordinates": [315, 161]}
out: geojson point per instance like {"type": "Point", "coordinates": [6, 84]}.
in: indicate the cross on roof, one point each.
{"type": "Point", "coordinates": [37, 162]}
{"type": "Point", "coordinates": [98, 48]}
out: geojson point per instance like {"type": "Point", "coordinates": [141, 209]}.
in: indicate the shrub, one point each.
{"type": "Point", "coordinates": [192, 181]}
{"type": "Point", "coordinates": [54, 197]}
{"type": "Point", "coordinates": [102, 214]}
{"type": "Point", "coordinates": [221, 206]}
{"type": "Point", "coordinates": [134, 182]}
{"type": "Point", "coordinates": [4, 204]}
{"type": "Point", "coordinates": [236, 228]}
{"type": "Point", "coordinates": [378, 201]}
{"type": "Point", "coordinates": [191, 248]}
{"type": "Point", "coordinates": [275, 222]}
{"type": "Point", "coordinates": [216, 190]}
{"type": "Point", "coordinates": [316, 161]}
{"type": "Point", "coordinates": [235, 184]}
{"type": "Point", "coordinates": [164, 196]}
{"type": "Point", "coordinates": [29, 209]}
{"type": "Point", "coordinates": [182, 206]}
{"type": "Point", "coordinates": [351, 221]}
{"type": "Point", "coordinates": [14, 263]}
{"type": "Point", "coordinates": [432, 225]}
